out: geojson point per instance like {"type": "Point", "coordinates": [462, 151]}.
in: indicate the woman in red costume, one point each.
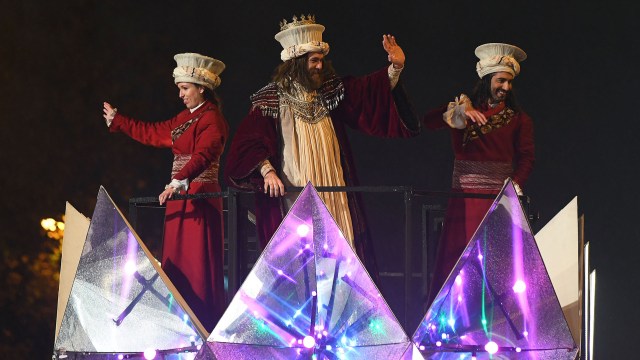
{"type": "Point", "coordinates": [192, 254]}
{"type": "Point", "coordinates": [492, 140]}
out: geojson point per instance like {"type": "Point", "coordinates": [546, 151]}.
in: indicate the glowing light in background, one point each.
{"type": "Point", "coordinates": [491, 347]}
{"type": "Point", "coordinates": [149, 354]}
{"type": "Point", "coordinates": [452, 322]}
{"type": "Point", "coordinates": [130, 267]}
{"type": "Point", "coordinates": [302, 230]}
{"type": "Point", "coordinates": [519, 287]}
{"type": "Point", "coordinates": [376, 326]}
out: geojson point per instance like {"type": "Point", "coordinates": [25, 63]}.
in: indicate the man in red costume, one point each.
{"type": "Point", "coordinates": [192, 250]}
{"type": "Point", "coordinates": [492, 140]}
{"type": "Point", "coordinates": [295, 131]}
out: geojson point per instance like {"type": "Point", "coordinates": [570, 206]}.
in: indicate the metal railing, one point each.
{"type": "Point", "coordinates": [238, 266]}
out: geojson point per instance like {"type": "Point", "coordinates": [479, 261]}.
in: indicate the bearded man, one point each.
{"type": "Point", "coordinates": [295, 131]}
{"type": "Point", "coordinates": [492, 140]}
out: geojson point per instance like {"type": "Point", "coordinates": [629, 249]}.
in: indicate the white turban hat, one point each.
{"type": "Point", "coordinates": [198, 69]}
{"type": "Point", "coordinates": [300, 37]}
{"type": "Point", "coordinates": [497, 57]}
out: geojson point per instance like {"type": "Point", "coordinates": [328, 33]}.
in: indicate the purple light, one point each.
{"type": "Point", "coordinates": [438, 343]}
{"type": "Point", "coordinates": [519, 287]}
{"type": "Point", "coordinates": [309, 341]}
{"type": "Point", "coordinates": [480, 257]}
{"type": "Point", "coordinates": [149, 354]}
{"type": "Point", "coordinates": [459, 280]}
{"type": "Point", "coordinates": [130, 267]}
{"type": "Point", "coordinates": [302, 230]}
{"type": "Point", "coordinates": [491, 347]}
{"type": "Point", "coordinates": [120, 357]}
{"type": "Point", "coordinates": [518, 349]}
{"type": "Point", "coordinates": [280, 272]}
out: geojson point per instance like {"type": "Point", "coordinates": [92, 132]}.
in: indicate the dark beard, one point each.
{"type": "Point", "coordinates": [310, 82]}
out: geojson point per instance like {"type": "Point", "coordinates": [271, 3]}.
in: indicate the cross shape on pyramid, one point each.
{"type": "Point", "coordinates": [308, 296]}
{"type": "Point", "coordinates": [498, 302]}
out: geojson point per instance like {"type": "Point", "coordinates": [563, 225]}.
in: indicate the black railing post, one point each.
{"type": "Point", "coordinates": [408, 205]}
{"type": "Point", "coordinates": [232, 239]}
{"type": "Point", "coordinates": [133, 214]}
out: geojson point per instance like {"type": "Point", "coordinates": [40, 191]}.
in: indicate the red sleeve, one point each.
{"type": "Point", "coordinates": [156, 134]}
{"type": "Point", "coordinates": [371, 106]}
{"type": "Point", "coordinates": [524, 151]}
{"type": "Point", "coordinates": [211, 134]}
{"type": "Point", "coordinates": [255, 141]}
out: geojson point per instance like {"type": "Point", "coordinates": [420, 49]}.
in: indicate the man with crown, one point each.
{"type": "Point", "coordinates": [295, 131]}
{"type": "Point", "coordinates": [492, 140]}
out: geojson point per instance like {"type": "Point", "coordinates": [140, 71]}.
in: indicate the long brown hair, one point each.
{"type": "Point", "coordinates": [296, 69]}
{"type": "Point", "coordinates": [481, 94]}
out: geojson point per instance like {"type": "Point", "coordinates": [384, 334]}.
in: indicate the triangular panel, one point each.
{"type": "Point", "coordinates": [308, 295]}
{"type": "Point", "coordinates": [121, 302]}
{"type": "Point", "coordinates": [75, 232]}
{"type": "Point", "coordinates": [559, 244]}
{"type": "Point", "coordinates": [498, 302]}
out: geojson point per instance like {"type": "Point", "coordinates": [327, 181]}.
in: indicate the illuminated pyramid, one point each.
{"type": "Point", "coordinates": [121, 304]}
{"type": "Point", "coordinates": [498, 302]}
{"type": "Point", "coordinates": [307, 297]}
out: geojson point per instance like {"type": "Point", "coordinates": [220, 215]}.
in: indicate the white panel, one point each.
{"type": "Point", "coordinates": [558, 244]}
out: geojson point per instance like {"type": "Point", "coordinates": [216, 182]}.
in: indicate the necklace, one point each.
{"type": "Point", "coordinates": [307, 106]}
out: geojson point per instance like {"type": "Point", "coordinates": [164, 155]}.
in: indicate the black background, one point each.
{"type": "Point", "coordinates": [59, 60]}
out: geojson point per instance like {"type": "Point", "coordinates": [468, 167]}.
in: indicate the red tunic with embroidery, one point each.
{"type": "Point", "coordinates": [482, 162]}
{"type": "Point", "coordinates": [192, 254]}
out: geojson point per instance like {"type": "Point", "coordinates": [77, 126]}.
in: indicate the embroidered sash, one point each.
{"type": "Point", "coordinates": [473, 131]}
{"type": "Point", "coordinates": [209, 175]}
{"type": "Point", "coordinates": [179, 130]}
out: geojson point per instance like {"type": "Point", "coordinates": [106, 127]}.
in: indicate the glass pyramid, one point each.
{"type": "Point", "coordinates": [498, 302]}
{"type": "Point", "coordinates": [122, 305]}
{"type": "Point", "coordinates": [307, 297]}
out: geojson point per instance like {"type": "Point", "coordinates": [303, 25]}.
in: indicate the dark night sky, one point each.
{"type": "Point", "coordinates": [60, 59]}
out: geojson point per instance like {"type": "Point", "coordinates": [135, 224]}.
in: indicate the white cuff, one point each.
{"type": "Point", "coordinates": [455, 116]}
{"type": "Point", "coordinates": [394, 75]}
{"type": "Point", "coordinates": [266, 167]}
{"type": "Point", "coordinates": [178, 185]}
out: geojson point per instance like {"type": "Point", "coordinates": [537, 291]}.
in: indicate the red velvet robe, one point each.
{"type": "Point", "coordinates": [192, 254]}
{"type": "Point", "coordinates": [368, 105]}
{"type": "Point", "coordinates": [512, 144]}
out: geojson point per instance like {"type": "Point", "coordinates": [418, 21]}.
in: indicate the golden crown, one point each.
{"type": "Point", "coordinates": [303, 20]}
